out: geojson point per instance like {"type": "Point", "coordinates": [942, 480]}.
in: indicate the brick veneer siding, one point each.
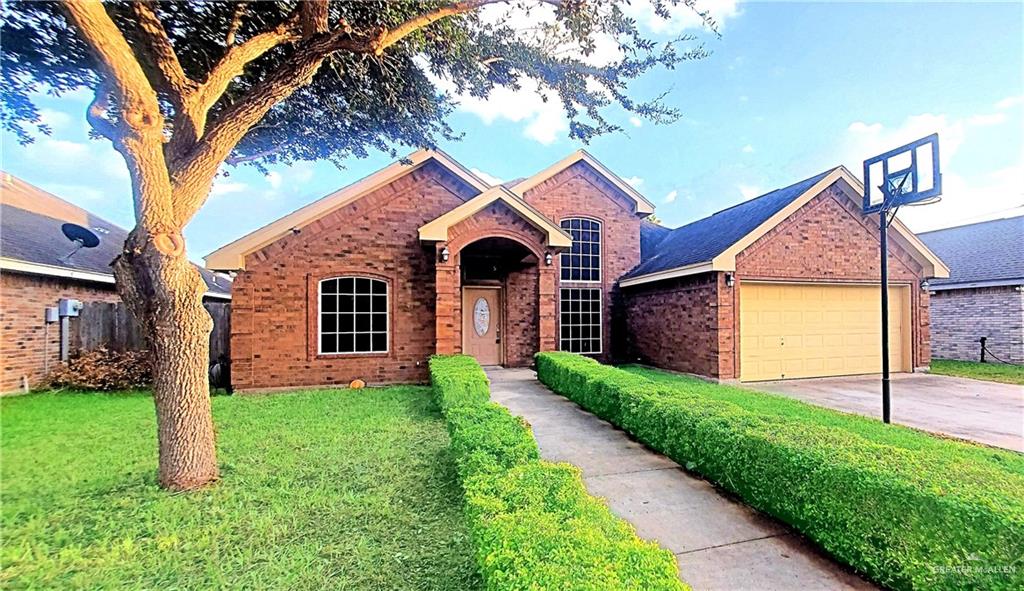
{"type": "Point", "coordinates": [673, 324]}
{"type": "Point", "coordinates": [692, 324]}
{"type": "Point", "coordinates": [274, 307]}
{"type": "Point", "coordinates": [23, 299]}
{"type": "Point", "coordinates": [961, 316]}
{"type": "Point", "coordinates": [579, 191]}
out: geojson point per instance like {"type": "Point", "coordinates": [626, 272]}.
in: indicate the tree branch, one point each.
{"type": "Point", "coordinates": [313, 16]}
{"type": "Point", "coordinates": [392, 36]}
{"type": "Point", "coordinates": [236, 23]}
{"type": "Point", "coordinates": [96, 113]}
{"type": "Point", "coordinates": [158, 49]}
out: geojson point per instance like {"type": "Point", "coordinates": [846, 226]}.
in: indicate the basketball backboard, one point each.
{"type": "Point", "coordinates": [908, 175]}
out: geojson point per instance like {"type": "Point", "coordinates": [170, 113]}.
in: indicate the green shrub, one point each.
{"type": "Point", "coordinates": [533, 524]}
{"type": "Point", "coordinates": [931, 514]}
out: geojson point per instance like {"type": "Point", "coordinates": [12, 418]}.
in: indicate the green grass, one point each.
{"type": "Point", "coordinates": [873, 430]}
{"type": "Point", "coordinates": [990, 372]}
{"type": "Point", "coordinates": [320, 489]}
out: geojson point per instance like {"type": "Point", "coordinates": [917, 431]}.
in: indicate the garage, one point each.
{"type": "Point", "coordinates": [804, 330]}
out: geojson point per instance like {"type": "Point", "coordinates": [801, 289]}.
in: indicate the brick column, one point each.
{"type": "Point", "coordinates": [547, 310]}
{"type": "Point", "coordinates": [446, 284]}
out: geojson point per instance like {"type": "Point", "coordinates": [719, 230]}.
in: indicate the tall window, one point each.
{"type": "Point", "coordinates": [353, 315]}
{"type": "Point", "coordinates": [583, 261]}
{"type": "Point", "coordinates": [580, 320]}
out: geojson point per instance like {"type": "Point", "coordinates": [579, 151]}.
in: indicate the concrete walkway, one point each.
{"type": "Point", "coordinates": [719, 543]}
{"type": "Point", "coordinates": [987, 412]}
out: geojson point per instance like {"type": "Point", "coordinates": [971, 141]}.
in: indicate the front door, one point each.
{"type": "Point", "coordinates": [481, 324]}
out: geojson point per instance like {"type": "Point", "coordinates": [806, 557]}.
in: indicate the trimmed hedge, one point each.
{"type": "Point", "coordinates": [913, 516]}
{"type": "Point", "coordinates": [532, 522]}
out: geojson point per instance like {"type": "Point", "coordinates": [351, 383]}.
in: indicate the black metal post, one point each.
{"type": "Point", "coordinates": [982, 341]}
{"type": "Point", "coordinates": [883, 228]}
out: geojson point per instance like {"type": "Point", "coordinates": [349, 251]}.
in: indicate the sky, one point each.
{"type": "Point", "coordinates": [790, 90]}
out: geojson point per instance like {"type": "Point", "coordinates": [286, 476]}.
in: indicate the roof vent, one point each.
{"type": "Point", "coordinates": [80, 236]}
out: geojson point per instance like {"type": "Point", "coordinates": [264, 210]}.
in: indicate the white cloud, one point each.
{"type": "Point", "coordinates": [1010, 102]}
{"type": "Point", "coordinates": [634, 181]}
{"type": "Point", "coordinates": [274, 179]}
{"type": "Point", "coordinates": [982, 120]}
{"type": "Point", "coordinates": [749, 191]}
{"type": "Point", "coordinates": [748, 149]}
{"type": "Point", "coordinates": [58, 121]}
{"type": "Point", "coordinates": [222, 186]}
{"type": "Point", "coordinates": [864, 140]}
{"type": "Point", "coordinates": [635, 121]}
{"type": "Point", "coordinates": [671, 196]}
{"type": "Point", "coordinates": [681, 17]}
{"type": "Point", "coordinates": [490, 179]}
{"type": "Point", "coordinates": [67, 159]}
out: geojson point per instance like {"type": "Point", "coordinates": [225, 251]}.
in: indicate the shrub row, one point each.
{"type": "Point", "coordinates": [909, 517]}
{"type": "Point", "coordinates": [533, 524]}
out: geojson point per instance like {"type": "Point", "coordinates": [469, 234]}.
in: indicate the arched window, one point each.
{"type": "Point", "coordinates": [583, 261]}
{"type": "Point", "coordinates": [353, 315]}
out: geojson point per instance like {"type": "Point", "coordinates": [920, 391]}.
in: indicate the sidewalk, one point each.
{"type": "Point", "coordinates": [719, 543]}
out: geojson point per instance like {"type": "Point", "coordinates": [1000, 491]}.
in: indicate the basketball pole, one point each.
{"type": "Point", "coordinates": [883, 226]}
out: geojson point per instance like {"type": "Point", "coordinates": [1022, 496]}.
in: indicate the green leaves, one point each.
{"type": "Point", "coordinates": [910, 510]}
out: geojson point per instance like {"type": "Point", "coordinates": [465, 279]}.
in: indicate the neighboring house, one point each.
{"type": "Point", "coordinates": [984, 294]}
{"type": "Point", "coordinates": [36, 272]}
{"type": "Point", "coordinates": [424, 257]}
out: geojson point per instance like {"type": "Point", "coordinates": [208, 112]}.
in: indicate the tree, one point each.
{"type": "Point", "coordinates": [182, 88]}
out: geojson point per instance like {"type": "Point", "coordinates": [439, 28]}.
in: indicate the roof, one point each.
{"type": "Point", "coordinates": [711, 243]}
{"type": "Point", "coordinates": [651, 234]}
{"type": "Point", "coordinates": [31, 239]}
{"type": "Point", "coordinates": [437, 230]}
{"type": "Point", "coordinates": [984, 253]}
{"type": "Point", "coordinates": [643, 206]}
{"type": "Point", "coordinates": [232, 255]}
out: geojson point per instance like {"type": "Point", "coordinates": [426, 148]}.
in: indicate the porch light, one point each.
{"type": "Point", "coordinates": [548, 258]}
{"type": "Point", "coordinates": [924, 285]}
{"type": "Point", "coordinates": [445, 253]}
{"type": "Point", "coordinates": [730, 279]}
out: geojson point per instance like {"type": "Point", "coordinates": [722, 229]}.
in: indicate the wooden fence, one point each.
{"type": "Point", "coordinates": [111, 326]}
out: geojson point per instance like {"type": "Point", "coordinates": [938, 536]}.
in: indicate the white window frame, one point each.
{"type": "Point", "coordinates": [600, 321]}
{"type": "Point", "coordinates": [371, 332]}
{"type": "Point", "coordinates": [600, 255]}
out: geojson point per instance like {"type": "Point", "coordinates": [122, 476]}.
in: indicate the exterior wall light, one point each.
{"type": "Point", "coordinates": [924, 285]}
{"type": "Point", "coordinates": [445, 254]}
{"type": "Point", "coordinates": [548, 258]}
{"type": "Point", "coordinates": [730, 279]}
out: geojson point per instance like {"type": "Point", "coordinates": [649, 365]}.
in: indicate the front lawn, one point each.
{"type": "Point", "coordinates": [991, 372]}
{"type": "Point", "coordinates": [320, 489]}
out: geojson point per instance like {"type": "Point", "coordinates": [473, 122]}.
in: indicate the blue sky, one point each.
{"type": "Point", "coordinates": [791, 89]}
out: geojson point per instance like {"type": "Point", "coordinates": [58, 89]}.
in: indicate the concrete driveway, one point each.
{"type": "Point", "coordinates": [986, 412]}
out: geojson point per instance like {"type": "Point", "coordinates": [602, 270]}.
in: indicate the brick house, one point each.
{"type": "Point", "coordinates": [36, 272]}
{"type": "Point", "coordinates": [424, 257]}
{"type": "Point", "coordinates": [984, 293]}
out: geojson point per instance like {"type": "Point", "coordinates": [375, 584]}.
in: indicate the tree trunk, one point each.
{"type": "Point", "coordinates": [165, 293]}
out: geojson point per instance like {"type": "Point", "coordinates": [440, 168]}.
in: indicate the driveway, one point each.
{"type": "Point", "coordinates": [719, 543]}
{"type": "Point", "coordinates": [986, 412]}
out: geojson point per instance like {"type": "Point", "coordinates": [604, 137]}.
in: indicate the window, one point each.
{"type": "Point", "coordinates": [580, 320]}
{"type": "Point", "coordinates": [353, 315]}
{"type": "Point", "coordinates": [583, 261]}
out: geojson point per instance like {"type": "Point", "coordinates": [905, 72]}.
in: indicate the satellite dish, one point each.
{"type": "Point", "coordinates": [82, 237]}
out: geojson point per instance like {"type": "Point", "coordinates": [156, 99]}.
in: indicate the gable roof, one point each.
{"type": "Point", "coordinates": [232, 256]}
{"type": "Point", "coordinates": [712, 243]}
{"type": "Point", "coordinates": [437, 229]}
{"type": "Point", "coordinates": [31, 240]}
{"type": "Point", "coordinates": [982, 254]}
{"type": "Point", "coordinates": [643, 206]}
{"type": "Point", "coordinates": [651, 234]}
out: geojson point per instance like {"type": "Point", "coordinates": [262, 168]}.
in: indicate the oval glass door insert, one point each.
{"type": "Point", "coordinates": [481, 317]}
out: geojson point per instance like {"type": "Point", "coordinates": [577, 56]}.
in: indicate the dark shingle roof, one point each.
{"type": "Point", "coordinates": [650, 235]}
{"type": "Point", "coordinates": [704, 239]}
{"type": "Point", "coordinates": [30, 231]}
{"type": "Point", "coordinates": [985, 251]}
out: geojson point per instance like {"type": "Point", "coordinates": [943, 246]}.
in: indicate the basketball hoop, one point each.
{"type": "Point", "coordinates": [907, 175]}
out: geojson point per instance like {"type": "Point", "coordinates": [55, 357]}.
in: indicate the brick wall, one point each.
{"type": "Point", "coordinates": [274, 308]}
{"type": "Point", "coordinates": [521, 322]}
{"type": "Point", "coordinates": [579, 191]}
{"type": "Point", "coordinates": [23, 299]}
{"type": "Point", "coordinates": [961, 316]}
{"type": "Point", "coordinates": [674, 324]}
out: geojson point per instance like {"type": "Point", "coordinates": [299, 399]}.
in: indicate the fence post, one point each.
{"type": "Point", "coordinates": [982, 341]}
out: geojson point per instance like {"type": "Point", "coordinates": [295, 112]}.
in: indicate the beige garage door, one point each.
{"type": "Point", "coordinates": [790, 330]}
